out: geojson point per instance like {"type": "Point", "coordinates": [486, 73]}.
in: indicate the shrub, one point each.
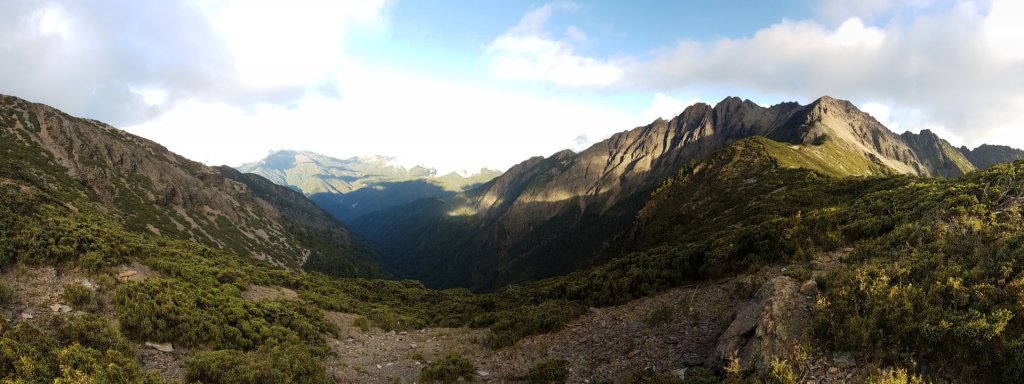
{"type": "Point", "coordinates": [6, 294]}
{"type": "Point", "coordinates": [894, 376]}
{"type": "Point", "coordinates": [78, 295]}
{"type": "Point", "coordinates": [281, 363]}
{"type": "Point", "coordinates": [362, 323]}
{"type": "Point", "coordinates": [661, 315]}
{"type": "Point", "coordinates": [91, 331]}
{"type": "Point", "coordinates": [515, 324]}
{"type": "Point", "coordinates": [548, 371]}
{"type": "Point", "coordinates": [448, 369]}
{"type": "Point", "coordinates": [779, 372]}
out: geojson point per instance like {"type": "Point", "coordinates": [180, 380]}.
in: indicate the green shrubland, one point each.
{"type": "Point", "coordinates": [932, 275]}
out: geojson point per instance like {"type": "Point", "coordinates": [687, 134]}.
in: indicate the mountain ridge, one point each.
{"type": "Point", "coordinates": [606, 184]}
{"type": "Point", "coordinates": [349, 188]}
{"type": "Point", "coordinates": [151, 189]}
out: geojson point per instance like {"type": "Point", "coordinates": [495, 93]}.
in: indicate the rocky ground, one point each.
{"type": "Point", "coordinates": [756, 318]}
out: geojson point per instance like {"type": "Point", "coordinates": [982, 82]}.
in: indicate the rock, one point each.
{"type": "Point", "coordinates": [844, 360]}
{"type": "Point", "coordinates": [482, 373]}
{"type": "Point", "coordinates": [55, 307]}
{"type": "Point", "coordinates": [765, 329]}
{"type": "Point", "coordinates": [126, 275]}
{"type": "Point", "coordinates": [64, 308]}
{"type": "Point", "coordinates": [692, 359]}
{"type": "Point", "coordinates": [809, 287]}
{"type": "Point", "coordinates": [833, 370]}
{"type": "Point", "coordinates": [680, 373]}
{"type": "Point", "coordinates": [27, 316]}
{"type": "Point", "coordinates": [162, 347]}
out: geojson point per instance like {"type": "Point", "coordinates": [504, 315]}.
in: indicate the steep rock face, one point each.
{"type": "Point", "coordinates": [152, 189]}
{"type": "Point", "coordinates": [988, 155]}
{"type": "Point", "coordinates": [923, 154]}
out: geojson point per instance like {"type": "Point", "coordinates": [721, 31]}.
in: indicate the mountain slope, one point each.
{"type": "Point", "coordinates": [150, 189]}
{"type": "Point", "coordinates": [349, 188]}
{"type": "Point", "coordinates": [549, 216]}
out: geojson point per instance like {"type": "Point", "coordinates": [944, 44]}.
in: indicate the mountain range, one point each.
{"type": "Point", "coordinates": [349, 188]}
{"type": "Point", "coordinates": [549, 216]}
{"type": "Point", "coordinates": [731, 243]}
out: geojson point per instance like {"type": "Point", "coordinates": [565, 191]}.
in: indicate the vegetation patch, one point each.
{"type": "Point", "coordinates": [450, 368]}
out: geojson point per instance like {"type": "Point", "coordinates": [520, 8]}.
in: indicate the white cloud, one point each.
{"type": "Point", "coordinates": [288, 44]}
{"type": "Point", "coordinates": [53, 20]}
{"type": "Point", "coordinates": [151, 96]}
{"type": "Point", "coordinates": [418, 120]}
{"type": "Point", "coordinates": [1004, 29]}
{"type": "Point", "coordinates": [959, 68]}
{"type": "Point", "coordinates": [881, 112]}
{"type": "Point", "coordinates": [91, 57]}
{"type": "Point", "coordinates": [526, 52]}
{"type": "Point", "coordinates": [666, 107]}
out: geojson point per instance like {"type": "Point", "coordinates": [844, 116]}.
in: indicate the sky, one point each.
{"type": "Point", "coordinates": [460, 85]}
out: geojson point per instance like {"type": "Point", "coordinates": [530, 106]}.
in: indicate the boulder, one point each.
{"type": "Point", "coordinates": [162, 347]}
{"type": "Point", "coordinates": [809, 287]}
{"type": "Point", "coordinates": [766, 328]}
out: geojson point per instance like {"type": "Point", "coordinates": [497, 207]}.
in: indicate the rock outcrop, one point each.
{"type": "Point", "coordinates": [766, 329]}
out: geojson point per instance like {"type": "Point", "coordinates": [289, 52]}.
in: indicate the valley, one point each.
{"type": "Point", "coordinates": [734, 243]}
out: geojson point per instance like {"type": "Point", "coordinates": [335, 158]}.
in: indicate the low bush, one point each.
{"type": "Point", "coordinates": [548, 371]}
{"type": "Point", "coordinates": [78, 296]}
{"type": "Point", "coordinates": [448, 369]}
{"type": "Point", "coordinates": [271, 363]}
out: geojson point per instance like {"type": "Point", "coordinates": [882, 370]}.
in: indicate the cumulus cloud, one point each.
{"type": "Point", "coordinates": [666, 107]}
{"type": "Point", "coordinates": [443, 124]}
{"type": "Point", "coordinates": [527, 52]}
{"type": "Point", "coordinates": [127, 61]}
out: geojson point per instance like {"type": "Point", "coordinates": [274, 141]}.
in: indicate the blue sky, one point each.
{"type": "Point", "coordinates": [462, 84]}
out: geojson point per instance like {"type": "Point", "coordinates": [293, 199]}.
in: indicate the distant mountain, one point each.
{"type": "Point", "coordinates": [988, 155]}
{"type": "Point", "coordinates": [349, 188]}
{"type": "Point", "coordinates": [151, 189]}
{"type": "Point", "coordinates": [550, 216]}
